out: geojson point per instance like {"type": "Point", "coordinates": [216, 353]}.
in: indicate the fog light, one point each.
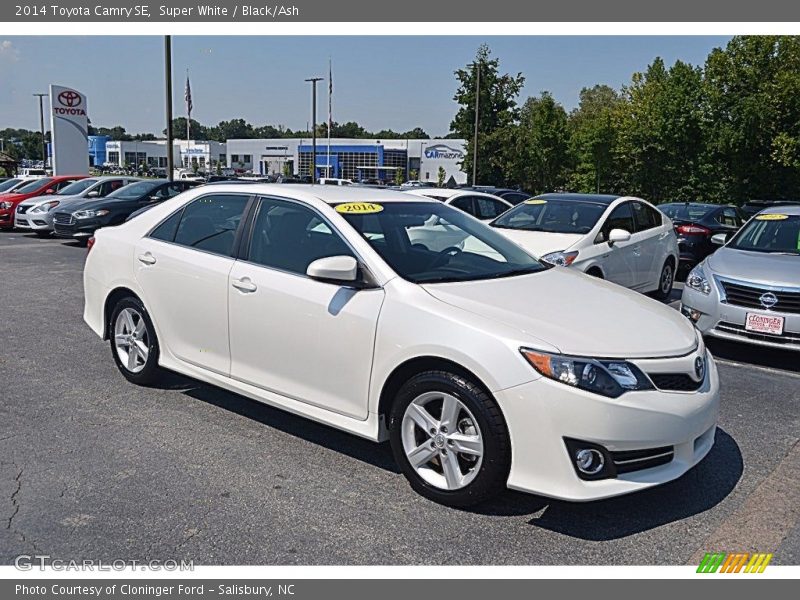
{"type": "Point", "coordinates": [690, 313]}
{"type": "Point", "coordinates": [589, 461]}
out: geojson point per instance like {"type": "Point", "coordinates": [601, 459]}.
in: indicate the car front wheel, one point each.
{"type": "Point", "coordinates": [133, 342]}
{"type": "Point", "coordinates": [450, 439]}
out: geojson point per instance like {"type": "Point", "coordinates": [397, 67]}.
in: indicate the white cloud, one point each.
{"type": "Point", "coordinates": [8, 51]}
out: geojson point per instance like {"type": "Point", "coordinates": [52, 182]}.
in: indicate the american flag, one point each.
{"type": "Point", "coordinates": [187, 96]}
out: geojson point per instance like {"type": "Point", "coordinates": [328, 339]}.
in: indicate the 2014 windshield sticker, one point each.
{"type": "Point", "coordinates": [769, 217]}
{"type": "Point", "coordinates": [535, 201]}
{"type": "Point", "coordinates": [359, 208]}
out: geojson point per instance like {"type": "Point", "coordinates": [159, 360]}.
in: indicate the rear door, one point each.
{"type": "Point", "coordinates": [650, 237]}
{"type": "Point", "coordinates": [183, 268]}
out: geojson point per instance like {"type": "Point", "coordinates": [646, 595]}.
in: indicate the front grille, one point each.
{"type": "Point", "coordinates": [63, 219]}
{"type": "Point", "coordinates": [21, 210]}
{"type": "Point", "coordinates": [627, 461]}
{"type": "Point", "coordinates": [787, 338]}
{"type": "Point", "coordinates": [749, 297]}
{"type": "Point", "coordinates": [675, 382]}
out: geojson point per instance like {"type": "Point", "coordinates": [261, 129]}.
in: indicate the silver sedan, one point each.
{"type": "Point", "coordinates": [749, 289]}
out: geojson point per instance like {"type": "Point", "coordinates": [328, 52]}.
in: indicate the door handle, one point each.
{"type": "Point", "coordinates": [147, 259]}
{"type": "Point", "coordinates": [244, 285]}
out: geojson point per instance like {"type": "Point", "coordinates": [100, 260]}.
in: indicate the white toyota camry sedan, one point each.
{"type": "Point", "coordinates": [619, 238]}
{"type": "Point", "coordinates": [483, 367]}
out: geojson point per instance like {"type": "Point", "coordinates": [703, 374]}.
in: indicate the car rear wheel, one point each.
{"type": "Point", "coordinates": [450, 439]}
{"type": "Point", "coordinates": [665, 281]}
{"type": "Point", "coordinates": [133, 342]}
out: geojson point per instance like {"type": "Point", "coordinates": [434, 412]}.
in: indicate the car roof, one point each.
{"type": "Point", "coordinates": [596, 198]}
{"type": "Point", "coordinates": [448, 193]}
{"type": "Point", "coordinates": [786, 209]}
{"type": "Point", "coordinates": [330, 194]}
{"type": "Point", "coordinates": [708, 204]}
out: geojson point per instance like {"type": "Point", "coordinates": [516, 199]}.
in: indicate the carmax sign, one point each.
{"type": "Point", "coordinates": [444, 152]}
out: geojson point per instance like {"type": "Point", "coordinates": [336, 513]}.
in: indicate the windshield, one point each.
{"type": "Point", "coordinates": [427, 242]}
{"type": "Point", "coordinates": [773, 233]}
{"type": "Point", "coordinates": [552, 216]}
{"type": "Point", "coordinates": [8, 184]}
{"type": "Point", "coordinates": [34, 186]}
{"type": "Point", "coordinates": [134, 190]}
{"type": "Point", "coordinates": [76, 187]}
{"type": "Point", "coordinates": [686, 212]}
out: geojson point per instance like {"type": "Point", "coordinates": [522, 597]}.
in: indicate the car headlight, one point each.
{"type": "Point", "coordinates": [560, 259]}
{"type": "Point", "coordinates": [698, 281]}
{"type": "Point", "coordinates": [45, 207]}
{"type": "Point", "coordinates": [610, 378]}
{"type": "Point", "coordinates": [6, 205]}
{"type": "Point", "coordinates": [90, 214]}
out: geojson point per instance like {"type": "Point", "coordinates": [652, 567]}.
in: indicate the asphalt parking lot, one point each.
{"type": "Point", "coordinates": [94, 467]}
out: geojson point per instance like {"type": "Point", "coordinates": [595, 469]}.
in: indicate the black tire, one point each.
{"type": "Point", "coordinates": [496, 461]}
{"type": "Point", "coordinates": [150, 372]}
{"type": "Point", "coordinates": [666, 280]}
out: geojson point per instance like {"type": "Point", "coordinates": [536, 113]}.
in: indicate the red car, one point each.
{"type": "Point", "coordinates": [36, 187]}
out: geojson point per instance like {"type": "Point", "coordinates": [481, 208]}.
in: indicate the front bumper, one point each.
{"type": "Point", "coordinates": [6, 218]}
{"type": "Point", "coordinates": [727, 321]}
{"type": "Point", "coordinates": [76, 228]}
{"type": "Point", "coordinates": [33, 221]}
{"type": "Point", "coordinates": [542, 413]}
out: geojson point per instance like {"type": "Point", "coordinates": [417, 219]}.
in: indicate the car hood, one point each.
{"type": "Point", "coordinates": [49, 198]}
{"type": "Point", "coordinates": [757, 267]}
{"type": "Point", "coordinates": [93, 204]}
{"type": "Point", "coordinates": [540, 243]}
{"type": "Point", "coordinates": [576, 313]}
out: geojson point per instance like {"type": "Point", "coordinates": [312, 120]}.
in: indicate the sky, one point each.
{"type": "Point", "coordinates": [382, 82]}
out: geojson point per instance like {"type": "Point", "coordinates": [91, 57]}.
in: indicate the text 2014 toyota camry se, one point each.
{"type": "Point", "coordinates": [483, 367]}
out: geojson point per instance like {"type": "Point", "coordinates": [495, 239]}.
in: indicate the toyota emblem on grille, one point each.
{"type": "Point", "coordinates": [69, 98]}
{"type": "Point", "coordinates": [768, 300]}
{"type": "Point", "coordinates": [700, 367]}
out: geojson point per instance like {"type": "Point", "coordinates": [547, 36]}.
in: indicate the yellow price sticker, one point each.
{"type": "Point", "coordinates": [771, 217]}
{"type": "Point", "coordinates": [535, 201]}
{"type": "Point", "coordinates": [359, 208]}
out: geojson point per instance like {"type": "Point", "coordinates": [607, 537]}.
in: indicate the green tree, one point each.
{"type": "Point", "coordinates": [540, 151]}
{"type": "Point", "coordinates": [753, 96]}
{"type": "Point", "coordinates": [199, 132]}
{"type": "Point", "coordinates": [593, 138]}
{"type": "Point", "coordinates": [440, 175]}
{"type": "Point", "coordinates": [497, 113]}
{"type": "Point", "coordinates": [399, 177]}
{"type": "Point", "coordinates": [235, 129]}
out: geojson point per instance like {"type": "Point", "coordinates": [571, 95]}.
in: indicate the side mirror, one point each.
{"type": "Point", "coordinates": [719, 239]}
{"type": "Point", "coordinates": [93, 194]}
{"type": "Point", "coordinates": [616, 236]}
{"type": "Point", "coordinates": [50, 191]}
{"type": "Point", "coordinates": [154, 198]}
{"type": "Point", "coordinates": [335, 269]}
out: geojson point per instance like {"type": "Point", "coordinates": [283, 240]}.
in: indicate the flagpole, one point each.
{"type": "Point", "coordinates": [188, 111]}
{"type": "Point", "coordinates": [330, 95]}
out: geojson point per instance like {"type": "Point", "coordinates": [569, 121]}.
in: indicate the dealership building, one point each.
{"type": "Point", "coordinates": [350, 158]}
{"type": "Point", "coordinates": [204, 154]}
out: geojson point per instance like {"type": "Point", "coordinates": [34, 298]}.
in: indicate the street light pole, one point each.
{"type": "Point", "coordinates": [314, 81]}
{"type": "Point", "coordinates": [475, 137]}
{"type": "Point", "coordinates": [41, 126]}
{"type": "Point", "coordinates": [168, 87]}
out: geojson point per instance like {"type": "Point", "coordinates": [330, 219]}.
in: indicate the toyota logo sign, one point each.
{"type": "Point", "coordinates": [69, 98]}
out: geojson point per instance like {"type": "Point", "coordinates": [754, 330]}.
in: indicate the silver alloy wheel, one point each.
{"type": "Point", "coordinates": [442, 440]}
{"type": "Point", "coordinates": [666, 278]}
{"type": "Point", "coordinates": [131, 340]}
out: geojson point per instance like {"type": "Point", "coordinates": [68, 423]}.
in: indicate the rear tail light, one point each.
{"type": "Point", "coordinates": [89, 244]}
{"type": "Point", "coordinates": [692, 230]}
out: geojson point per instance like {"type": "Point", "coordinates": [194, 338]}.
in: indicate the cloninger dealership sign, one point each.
{"type": "Point", "coordinates": [442, 151]}
{"type": "Point", "coordinates": [70, 129]}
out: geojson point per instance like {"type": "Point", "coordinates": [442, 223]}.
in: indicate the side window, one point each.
{"type": "Point", "coordinates": [62, 184]}
{"type": "Point", "coordinates": [515, 197]}
{"type": "Point", "coordinates": [620, 218]}
{"type": "Point", "coordinates": [167, 230]}
{"type": "Point", "coordinates": [110, 186]}
{"type": "Point", "coordinates": [210, 222]}
{"type": "Point", "coordinates": [645, 217]}
{"type": "Point", "coordinates": [289, 236]}
{"type": "Point", "coordinates": [464, 203]}
{"type": "Point", "coordinates": [728, 217]}
{"type": "Point", "coordinates": [489, 208]}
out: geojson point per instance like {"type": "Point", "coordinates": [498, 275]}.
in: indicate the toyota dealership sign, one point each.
{"type": "Point", "coordinates": [70, 131]}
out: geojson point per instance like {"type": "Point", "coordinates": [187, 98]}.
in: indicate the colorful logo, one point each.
{"type": "Point", "coordinates": [723, 562]}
